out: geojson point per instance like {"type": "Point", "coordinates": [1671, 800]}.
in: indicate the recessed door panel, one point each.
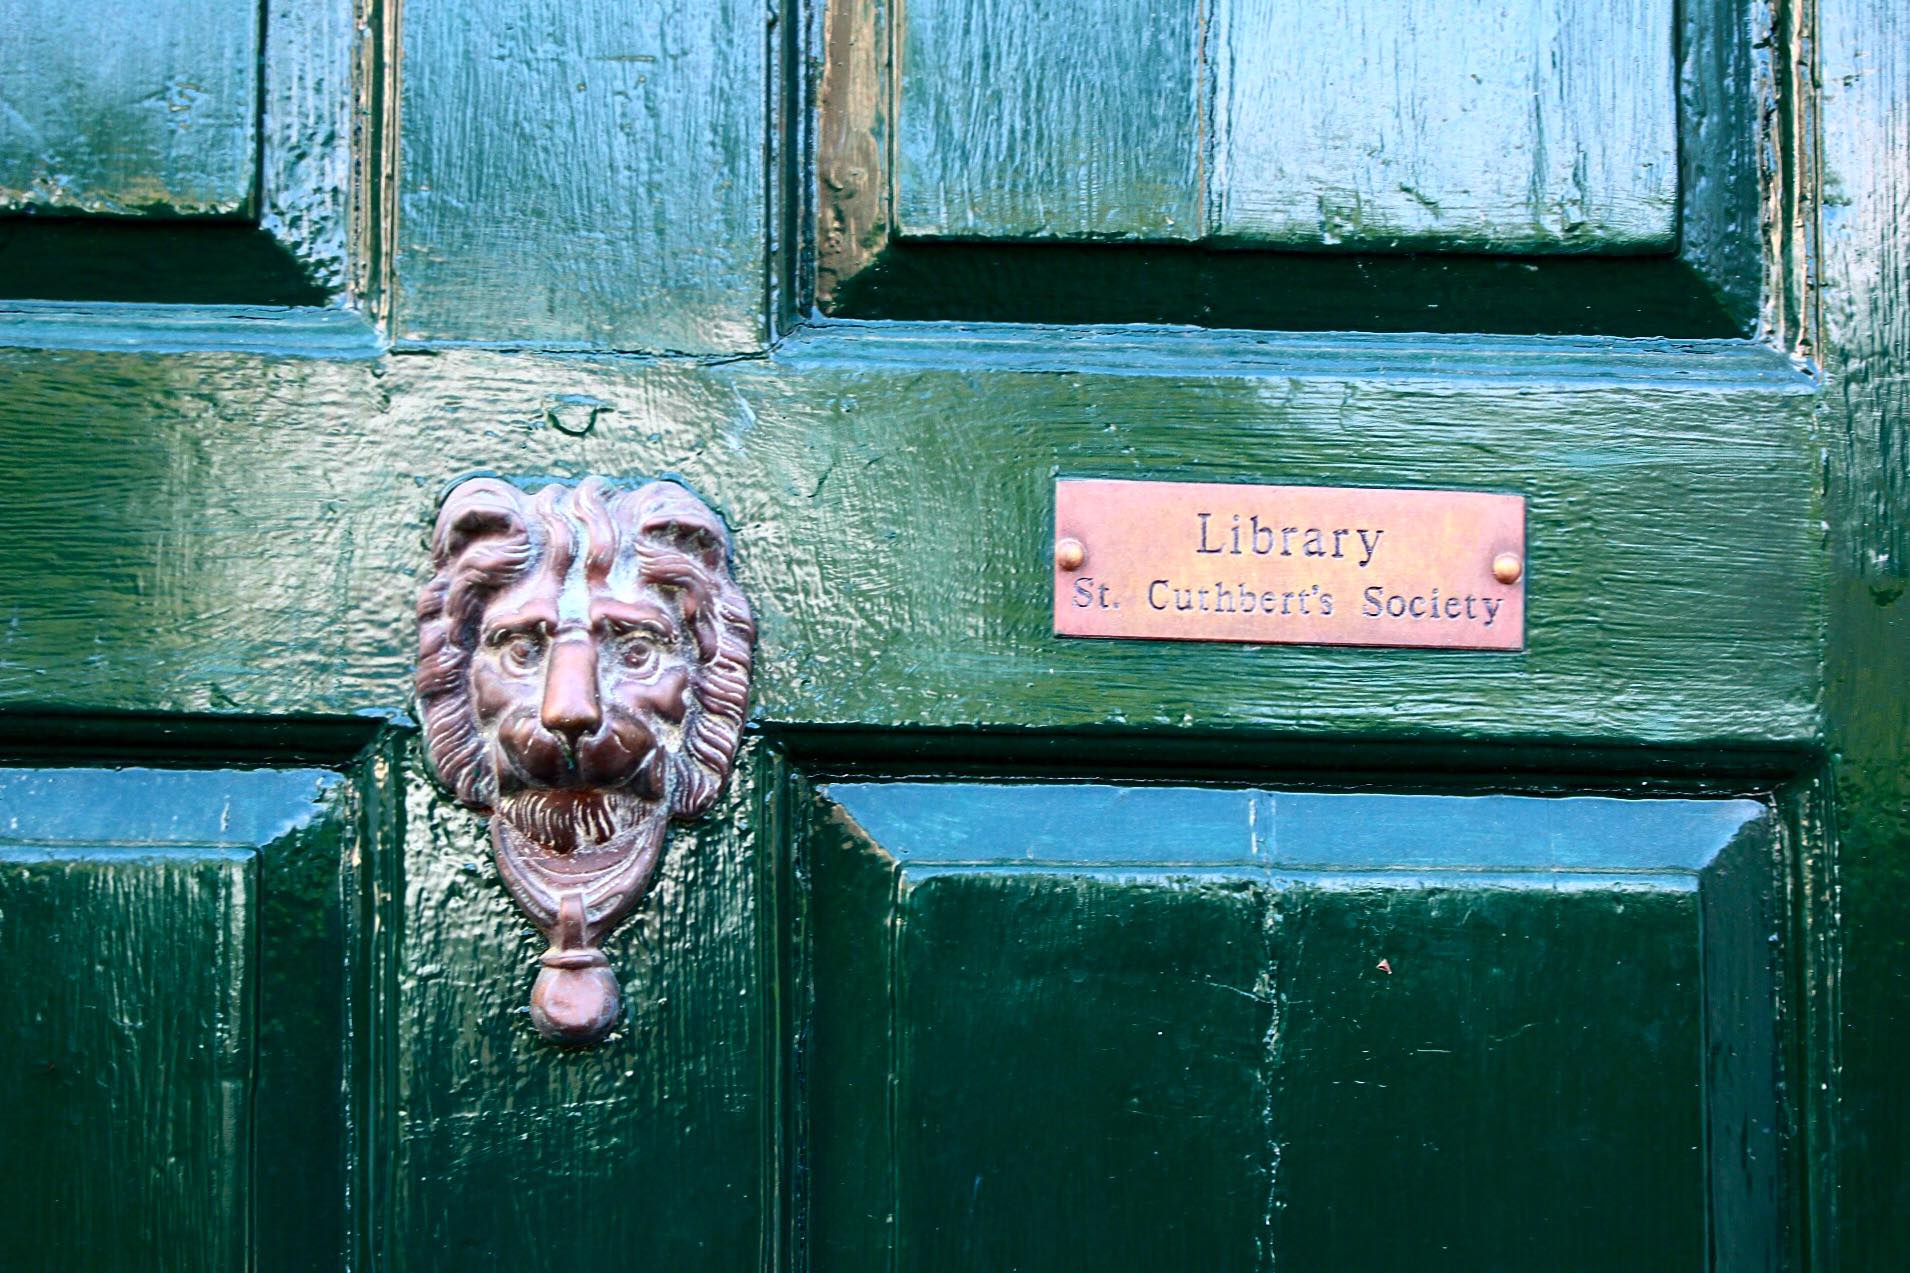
{"type": "Point", "coordinates": [136, 110]}
{"type": "Point", "coordinates": [1066, 1026]}
{"type": "Point", "coordinates": [174, 1018]}
{"type": "Point", "coordinates": [1537, 126]}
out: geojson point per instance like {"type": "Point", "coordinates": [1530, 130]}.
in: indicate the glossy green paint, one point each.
{"type": "Point", "coordinates": [1043, 95]}
{"type": "Point", "coordinates": [128, 111]}
{"type": "Point", "coordinates": [1536, 126]}
{"type": "Point", "coordinates": [1472, 125]}
{"type": "Point", "coordinates": [87, 259]}
{"type": "Point", "coordinates": [176, 1017]}
{"type": "Point", "coordinates": [1862, 59]}
{"type": "Point", "coordinates": [890, 488]}
{"type": "Point", "coordinates": [1066, 163]}
{"type": "Point", "coordinates": [653, 1149]}
{"type": "Point", "coordinates": [592, 174]}
{"type": "Point", "coordinates": [1069, 1026]}
{"type": "Point", "coordinates": [215, 521]}
{"type": "Point", "coordinates": [173, 84]}
{"type": "Point", "coordinates": [1459, 293]}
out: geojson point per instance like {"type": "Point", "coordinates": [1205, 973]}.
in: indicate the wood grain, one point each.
{"type": "Point", "coordinates": [1547, 125]}
{"type": "Point", "coordinates": [146, 110]}
{"type": "Point", "coordinates": [222, 515]}
{"type": "Point", "coordinates": [138, 1043]}
{"type": "Point", "coordinates": [216, 519]}
{"type": "Point", "coordinates": [649, 1149]}
{"type": "Point", "coordinates": [1071, 119]}
{"type": "Point", "coordinates": [311, 108]}
{"type": "Point", "coordinates": [584, 174]}
{"type": "Point", "coordinates": [1541, 125]}
{"type": "Point", "coordinates": [1725, 88]}
{"type": "Point", "coordinates": [854, 113]}
{"type": "Point", "coordinates": [174, 1056]}
{"type": "Point", "coordinates": [1192, 1023]}
{"type": "Point", "coordinates": [1851, 305]}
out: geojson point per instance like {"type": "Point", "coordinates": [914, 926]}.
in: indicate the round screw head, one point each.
{"type": "Point", "coordinates": [1507, 567]}
{"type": "Point", "coordinates": [1070, 554]}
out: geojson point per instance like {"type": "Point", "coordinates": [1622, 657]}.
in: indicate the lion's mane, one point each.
{"type": "Point", "coordinates": [489, 534]}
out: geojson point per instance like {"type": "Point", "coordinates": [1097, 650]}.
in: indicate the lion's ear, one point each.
{"type": "Point", "coordinates": [671, 515]}
{"type": "Point", "coordinates": [474, 510]}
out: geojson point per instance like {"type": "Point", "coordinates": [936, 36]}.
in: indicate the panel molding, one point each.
{"type": "Point", "coordinates": [1495, 980]}
{"type": "Point", "coordinates": [1692, 233]}
{"type": "Point", "coordinates": [183, 1042]}
{"type": "Point", "coordinates": [302, 233]}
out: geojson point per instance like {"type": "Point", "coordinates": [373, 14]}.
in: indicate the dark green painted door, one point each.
{"type": "Point", "coordinates": [1144, 1027]}
{"type": "Point", "coordinates": [1001, 952]}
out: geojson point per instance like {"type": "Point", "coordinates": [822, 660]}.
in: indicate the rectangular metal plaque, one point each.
{"type": "Point", "coordinates": [1291, 565]}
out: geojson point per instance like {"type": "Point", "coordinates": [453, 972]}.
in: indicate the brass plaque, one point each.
{"type": "Point", "coordinates": [1289, 565]}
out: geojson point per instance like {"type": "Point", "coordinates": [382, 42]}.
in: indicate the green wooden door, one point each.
{"type": "Point", "coordinates": [1001, 950]}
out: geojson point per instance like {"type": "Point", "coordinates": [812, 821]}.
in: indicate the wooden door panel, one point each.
{"type": "Point", "coordinates": [1058, 1026]}
{"type": "Point", "coordinates": [1072, 120]}
{"type": "Point", "coordinates": [135, 1067]}
{"type": "Point", "coordinates": [1078, 1071]}
{"type": "Point", "coordinates": [147, 111]}
{"type": "Point", "coordinates": [1530, 1066]}
{"type": "Point", "coordinates": [1538, 126]}
{"type": "Point", "coordinates": [214, 522]}
{"type": "Point", "coordinates": [587, 174]}
{"type": "Point", "coordinates": [1077, 162]}
{"type": "Point", "coordinates": [1031, 1070]}
{"type": "Point", "coordinates": [176, 1025]}
{"type": "Point", "coordinates": [189, 152]}
{"type": "Point", "coordinates": [1541, 126]}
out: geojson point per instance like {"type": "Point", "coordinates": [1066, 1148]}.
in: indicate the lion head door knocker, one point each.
{"type": "Point", "coordinates": [583, 667]}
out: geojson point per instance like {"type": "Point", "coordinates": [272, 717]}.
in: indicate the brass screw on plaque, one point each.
{"type": "Point", "coordinates": [1070, 554]}
{"type": "Point", "coordinates": [1507, 567]}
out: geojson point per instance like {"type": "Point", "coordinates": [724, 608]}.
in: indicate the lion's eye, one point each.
{"type": "Point", "coordinates": [638, 643]}
{"type": "Point", "coordinates": [519, 648]}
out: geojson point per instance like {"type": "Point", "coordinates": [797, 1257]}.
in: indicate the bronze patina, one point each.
{"type": "Point", "coordinates": [1289, 565]}
{"type": "Point", "coordinates": [584, 664]}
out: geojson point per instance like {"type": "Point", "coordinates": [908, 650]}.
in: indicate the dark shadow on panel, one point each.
{"type": "Point", "coordinates": [1286, 291]}
{"type": "Point", "coordinates": [176, 263]}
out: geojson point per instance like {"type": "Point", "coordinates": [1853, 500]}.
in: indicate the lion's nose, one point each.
{"type": "Point", "coordinates": [570, 690]}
